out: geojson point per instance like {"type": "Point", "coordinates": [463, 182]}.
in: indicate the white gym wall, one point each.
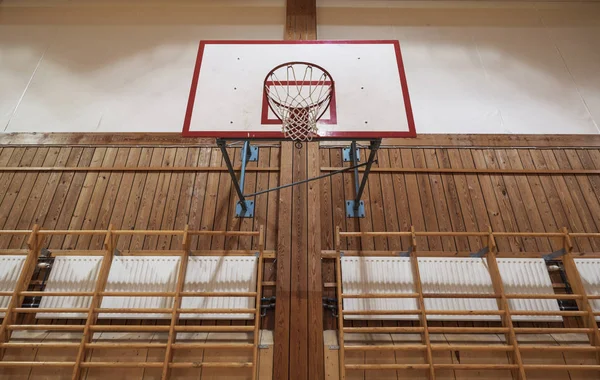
{"type": "Point", "coordinates": [472, 67]}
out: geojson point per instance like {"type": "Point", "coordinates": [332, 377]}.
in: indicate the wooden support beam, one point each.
{"type": "Point", "coordinates": [92, 317]}
{"type": "Point", "coordinates": [183, 261]}
{"type": "Point", "coordinates": [33, 244]}
{"type": "Point", "coordinates": [414, 263]}
{"type": "Point", "coordinates": [502, 302]}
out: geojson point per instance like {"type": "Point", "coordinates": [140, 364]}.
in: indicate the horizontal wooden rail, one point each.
{"type": "Point", "coordinates": [474, 171]}
{"type": "Point", "coordinates": [387, 347]}
{"type": "Point", "coordinates": [382, 330]}
{"type": "Point", "coordinates": [132, 169]}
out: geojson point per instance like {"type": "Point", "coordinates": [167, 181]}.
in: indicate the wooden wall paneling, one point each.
{"type": "Point", "coordinates": [261, 205]}
{"type": "Point", "coordinates": [132, 201]}
{"type": "Point", "coordinates": [106, 203]}
{"type": "Point", "coordinates": [281, 339]}
{"type": "Point", "coordinates": [19, 188]}
{"type": "Point", "coordinates": [273, 200]}
{"type": "Point", "coordinates": [489, 196]}
{"type": "Point", "coordinates": [73, 215]}
{"type": "Point", "coordinates": [377, 206]}
{"type": "Point", "coordinates": [416, 158]}
{"type": "Point", "coordinates": [172, 206]}
{"type": "Point", "coordinates": [88, 213]}
{"type": "Point", "coordinates": [199, 196]}
{"type": "Point", "coordinates": [158, 205]}
{"type": "Point", "coordinates": [408, 215]}
{"type": "Point", "coordinates": [485, 159]}
{"type": "Point", "coordinates": [510, 196]}
{"type": "Point", "coordinates": [582, 192]}
{"type": "Point", "coordinates": [533, 195]}
{"type": "Point", "coordinates": [388, 201]}
{"type": "Point", "coordinates": [19, 157]}
{"type": "Point", "coordinates": [559, 195]}
{"type": "Point", "coordinates": [224, 211]}
{"type": "Point", "coordinates": [315, 277]}
{"type": "Point", "coordinates": [469, 197]}
{"type": "Point", "coordinates": [340, 191]}
{"type": "Point", "coordinates": [440, 199]}
{"type": "Point", "coordinates": [210, 199]}
{"type": "Point", "coordinates": [546, 194]}
{"type": "Point", "coordinates": [186, 192]}
{"type": "Point", "coordinates": [349, 193]}
{"type": "Point", "coordinates": [458, 218]}
{"type": "Point", "coordinates": [27, 205]}
{"type": "Point", "coordinates": [299, 270]}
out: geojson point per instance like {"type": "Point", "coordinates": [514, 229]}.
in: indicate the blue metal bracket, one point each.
{"type": "Point", "coordinates": [356, 208]}
{"type": "Point", "coordinates": [245, 209]}
{"type": "Point", "coordinates": [347, 154]}
{"type": "Point", "coordinates": [407, 253]}
{"type": "Point", "coordinates": [555, 254]}
{"type": "Point", "coordinates": [355, 212]}
{"type": "Point", "coordinates": [253, 153]}
{"type": "Point", "coordinates": [482, 252]}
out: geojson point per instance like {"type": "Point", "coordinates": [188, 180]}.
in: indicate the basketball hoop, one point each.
{"type": "Point", "coordinates": [299, 93]}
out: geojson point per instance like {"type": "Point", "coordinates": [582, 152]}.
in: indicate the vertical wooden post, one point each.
{"type": "Point", "coordinates": [502, 302]}
{"type": "Point", "coordinates": [414, 263]}
{"type": "Point", "coordinates": [298, 345]}
{"type": "Point", "coordinates": [589, 320]}
{"type": "Point", "coordinates": [340, 302]}
{"type": "Point", "coordinates": [34, 244]}
{"type": "Point", "coordinates": [183, 262]}
{"type": "Point", "coordinates": [259, 285]}
{"type": "Point", "coordinates": [92, 317]}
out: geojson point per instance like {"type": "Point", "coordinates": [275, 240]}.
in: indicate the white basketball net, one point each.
{"type": "Point", "coordinates": [299, 93]}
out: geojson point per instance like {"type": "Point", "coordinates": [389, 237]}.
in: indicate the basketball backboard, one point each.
{"type": "Point", "coordinates": [370, 99]}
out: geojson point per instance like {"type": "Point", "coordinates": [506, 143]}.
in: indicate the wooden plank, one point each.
{"type": "Point", "coordinates": [316, 368]}
{"type": "Point", "coordinates": [198, 200]}
{"type": "Point", "coordinates": [175, 138]}
{"type": "Point", "coordinates": [27, 203]}
{"type": "Point", "coordinates": [332, 365]}
{"type": "Point", "coordinates": [389, 200]}
{"type": "Point", "coordinates": [407, 202]}
{"type": "Point", "coordinates": [261, 201]}
{"type": "Point", "coordinates": [339, 188]}
{"type": "Point", "coordinates": [133, 200]}
{"type": "Point", "coordinates": [533, 195]}
{"type": "Point", "coordinates": [102, 203]}
{"type": "Point", "coordinates": [160, 199]}
{"type": "Point", "coordinates": [210, 199]}
{"type": "Point", "coordinates": [582, 193]}
{"type": "Point", "coordinates": [74, 217]}
{"type": "Point", "coordinates": [511, 197]}
{"type": "Point", "coordinates": [265, 356]}
{"type": "Point", "coordinates": [469, 198]}
{"type": "Point", "coordinates": [20, 186]}
{"type": "Point", "coordinates": [284, 240]}
{"type": "Point", "coordinates": [271, 225]}
{"type": "Point", "coordinates": [117, 191]}
{"type": "Point", "coordinates": [440, 202]}
{"type": "Point", "coordinates": [226, 199]}
{"type": "Point", "coordinates": [173, 199]}
{"type": "Point", "coordinates": [349, 193]}
{"type": "Point", "coordinates": [299, 270]}
{"type": "Point", "coordinates": [187, 191]}
{"type": "Point", "coordinates": [146, 202]}
{"type": "Point", "coordinates": [457, 219]}
{"type": "Point", "coordinates": [543, 186]}
{"type": "Point", "coordinates": [501, 221]}
{"type": "Point", "coordinates": [416, 157]}
{"type": "Point", "coordinates": [376, 212]}
{"type": "Point", "coordinates": [557, 190]}
{"type": "Point", "coordinates": [16, 156]}
{"type": "Point", "coordinates": [63, 204]}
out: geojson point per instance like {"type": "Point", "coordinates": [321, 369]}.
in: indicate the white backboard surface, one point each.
{"type": "Point", "coordinates": [370, 100]}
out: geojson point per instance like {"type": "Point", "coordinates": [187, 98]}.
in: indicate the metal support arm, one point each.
{"type": "Point", "coordinates": [356, 208]}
